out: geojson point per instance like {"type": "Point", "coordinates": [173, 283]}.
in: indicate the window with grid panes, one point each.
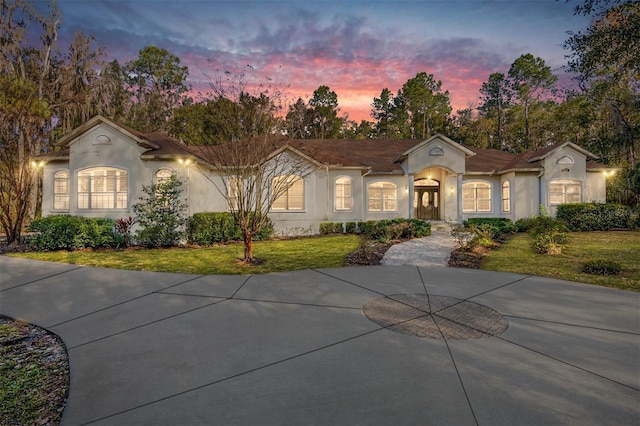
{"type": "Point", "coordinates": [102, 188]}
{"type": "Point", "coordinates": [382, 197]}
{"type": "Point", "coordinates": [476, 197]}
{"type": "Point", "coordinates": [292, 199]}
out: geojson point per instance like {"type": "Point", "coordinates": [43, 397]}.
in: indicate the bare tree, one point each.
{"type": "Point", "coordinates": [256, 166]}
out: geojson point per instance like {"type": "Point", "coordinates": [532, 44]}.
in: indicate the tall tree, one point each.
{"type": "Point", "coordinates": [156, 81]}
{"type": "Point", "coordinates": [606, 59]}
{"type": "Point", "coordinates": [427, 105]}
{"type": "Point", "coordinates": [530, 79]}
{"type": "Point", "coordinates": [299, 120]}
{"type": "Point", "coordinates": [496, 98]}
{"type": "Point", "coordinates": [382, 111]}
{"type": "Point", "coordinates": [324, 106]}
{"type": "Point", "coordinates": [43, 91]}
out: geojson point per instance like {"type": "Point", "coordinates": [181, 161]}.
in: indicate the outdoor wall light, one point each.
{"type": "Point", "coordinates": [37, 164]}
{"type": "Point", "coordinates": [452, 190]}
{"type": "Point", "coordinates": [609, 173]}
{"type": "Point", "coordinates": [185, 161]}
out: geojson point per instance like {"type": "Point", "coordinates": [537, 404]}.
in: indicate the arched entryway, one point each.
{"type": "Point", "coordinates": [426, 199]}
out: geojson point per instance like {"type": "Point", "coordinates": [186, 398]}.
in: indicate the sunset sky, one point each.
{"type": "Point", "coordinates": [357, 48]}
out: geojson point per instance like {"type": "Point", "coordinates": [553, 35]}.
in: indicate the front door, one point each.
{"type": "Point", "coordinates": [426, 202]}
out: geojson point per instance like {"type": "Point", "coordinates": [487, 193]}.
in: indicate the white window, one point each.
{"type": "Point", "coordinates": [61, 190]}
{"type": "Point", "coordinates": [476, 197]}
{"type": "Point", "coordinates": [565, 191]}
{"type": "Point", "coordinates": [343, 194]}
{"type": "Point", "coordinates": [291, 193]}
{"type": "Point", "coordinates": [382, 197]}
{"type": "Point", "coordinates": [102, 188]}
{"type": "Point", "coordinates": [163, 175]}
{"type": "Point", "coordinates": [506, 196]}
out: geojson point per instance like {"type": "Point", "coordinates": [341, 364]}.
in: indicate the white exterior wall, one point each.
{"type": "Point", "coordinates": [525, 195]}
{"type": "Point", "coordinates": [596, 188]}
{"type": "Point", "coordinates": [553, 171]}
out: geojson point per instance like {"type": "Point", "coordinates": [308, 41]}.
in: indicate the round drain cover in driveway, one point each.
{"type": "Point", "coordinates": [433, 316]}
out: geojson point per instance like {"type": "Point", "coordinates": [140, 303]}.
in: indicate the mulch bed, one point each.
{"type": "Point", "coordinates": [35, 364]}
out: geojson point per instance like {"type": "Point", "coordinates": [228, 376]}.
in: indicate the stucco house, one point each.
{"type": "Point", "coordinates": [103, 165]}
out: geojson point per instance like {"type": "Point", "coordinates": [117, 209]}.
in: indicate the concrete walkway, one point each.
{"type": "Point", "coordinates": [401, 345]}
{"type": "Point", "coordinates": [429, 251]}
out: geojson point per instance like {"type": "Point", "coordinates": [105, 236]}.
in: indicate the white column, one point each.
{"type": "Point", "coordinates": [410, 195]}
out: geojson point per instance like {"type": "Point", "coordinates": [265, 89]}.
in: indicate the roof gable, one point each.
{"type": "Point", "coordinates": [136, 136]}
{"type": "Point", "coordinates": [440, 138]}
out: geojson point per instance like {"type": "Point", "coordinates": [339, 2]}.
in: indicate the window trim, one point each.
{"type": "Point", "coordinates": [343, 198]}
{"type": "Point", "coordinates": [475, 197]}
{"type": "Point", "coordinates": [371, 190]}
{"type": "Point", "coordinates": [564, 183]}
{"type": "Point", "coordinates": [57, 194]}
{"type": "Point", "coordinates": [116, 194]}
{"type": "Point", "coordinates": [506, 184]}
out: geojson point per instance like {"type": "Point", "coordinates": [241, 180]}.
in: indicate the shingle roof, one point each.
{"type": "Point", "coordinates": [376, 155]}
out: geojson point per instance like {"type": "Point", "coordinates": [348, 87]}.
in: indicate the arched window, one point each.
{"type": "Point", "coordinates": [343, 194]}
{"type": "Point", "coordinates": [102, 188]}
{"type": "Point", "coordinates": [61, 190]}
{"type": "Point", "coordinates": [564, 191]}
{"type": "Point", "coordinates": [290, 190]}
{"type": "Point", "coordinates": [163, 175]}
{"type": "Point", "coordinates": [506, 196]}
{"type": "Point", "coordinates": [476, 197]}
{"type": "Point", "coordinates": [382, 197]}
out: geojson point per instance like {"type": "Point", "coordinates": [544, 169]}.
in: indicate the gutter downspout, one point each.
{"type": "Point", "coordinates": [540, 203]}
{"type": "Point", "coordinates": [326, 166]}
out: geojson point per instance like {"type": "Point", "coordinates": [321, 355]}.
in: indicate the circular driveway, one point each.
{"type": "Point", "coordinates": [296, 348]}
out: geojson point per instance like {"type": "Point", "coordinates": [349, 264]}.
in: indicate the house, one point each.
{"type": "Point", "coordinates": [103, 165]}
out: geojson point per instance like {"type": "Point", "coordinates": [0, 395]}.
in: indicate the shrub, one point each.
{"type": "Point", "coordinates": [483, 235]}
{"type": "Point", "coordinates": [330, 228]}
{"type": "Point", "coordinates": [497, 225]}
{"type": "Point", "coordinates": [601, 267]}
{"type": "Point", "coordinates": [549, 235]}
{"type": "Point", "coordinates": [595, 216]}
{"type": "Point", "coordinates": [161, 214]}
{"type": "Point", "coordinates": [524, 224]}
{"type": "Point", "coordinates": [63, 232]}
{"type": "Point", "coordinates": [123, 230]}
{"type": "Point", "coordinates": [462, 236]}
{"type": "Point", "coordinates": [218, 227]}
{"type": "Point", "coordinates": [394, 229]}
{"type": "Point", "coordinates": [351, 227]}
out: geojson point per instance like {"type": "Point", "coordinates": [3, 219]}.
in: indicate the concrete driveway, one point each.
{"type": "Point", "coordinates": [402, 345]}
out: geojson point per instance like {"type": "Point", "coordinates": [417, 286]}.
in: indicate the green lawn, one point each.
{"type": "Point", "coordinates": [277, 256]}
{"type": "Point", "coordinates": [622, 247]}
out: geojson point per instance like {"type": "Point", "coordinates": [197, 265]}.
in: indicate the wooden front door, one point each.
{"type": "Point", "coordinates": [427, 202]}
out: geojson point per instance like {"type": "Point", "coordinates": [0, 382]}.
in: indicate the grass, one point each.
{"type": "Point", "coordinates": [623, 247]}
{"type": "Point", "coordinates": [276, 256]}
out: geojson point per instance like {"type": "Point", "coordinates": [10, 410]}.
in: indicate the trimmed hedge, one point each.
{"type": "Point", "coordinates": [381, 230]}
{"type": "Point", "coordinates": [63, 232]}
{"type": "Point", "coordinates": [595, 216]}
{"type": "Point", "coordinates": [218, 227]}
